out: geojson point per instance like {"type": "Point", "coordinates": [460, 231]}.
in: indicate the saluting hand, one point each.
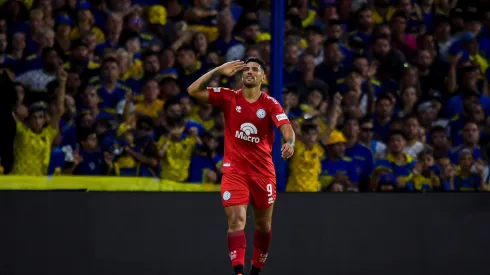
{"type": "Point", "coordinates": [231, 68]}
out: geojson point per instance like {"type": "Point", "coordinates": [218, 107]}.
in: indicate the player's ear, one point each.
{"type": "Point", "coordinates": [263, 79]}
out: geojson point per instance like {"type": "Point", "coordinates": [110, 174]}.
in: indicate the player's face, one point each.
{"type": "Point", "coordinates": [253, 75]}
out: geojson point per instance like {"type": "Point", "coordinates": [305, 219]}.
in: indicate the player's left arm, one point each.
{"type": "Point", "coordinates": [282, 122]}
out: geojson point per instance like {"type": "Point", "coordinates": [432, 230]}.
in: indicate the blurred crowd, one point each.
{"type": "Point", "coordinates": [384, 95]}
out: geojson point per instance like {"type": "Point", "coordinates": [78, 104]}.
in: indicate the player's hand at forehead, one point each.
{"type": "Point", "coordinates": [232, 67]}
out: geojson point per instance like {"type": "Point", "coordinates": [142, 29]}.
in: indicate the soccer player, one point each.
{"type": "Point", "coordinates": [248, 171]}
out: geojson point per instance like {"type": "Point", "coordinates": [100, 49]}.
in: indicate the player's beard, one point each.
{"type": "Point", "coordinates": [250, 84]}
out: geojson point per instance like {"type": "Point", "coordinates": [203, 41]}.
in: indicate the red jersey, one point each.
{"type": "Point", "coordinates": [249, 131]}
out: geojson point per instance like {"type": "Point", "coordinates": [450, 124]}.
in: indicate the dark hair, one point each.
{"type": "Point", "coordinates": [437, 129]}
{"type": "Point", "coordinates": [395, 133]}
{"type": "Point", "coordinates": [399, 14]}
{"type": "Point", "coordinates": [109, 59]}
{"type": "Point", "coordinates": [46, 51]}
{"type": "Point", "coordinates": [256, 60]}
{"type": "Point", "coordinates": [295, 21]}
{"type": "Point", "coordinates": [347, 118]}
{"type": "Point", "coordinates": [384, 96]}
{"type": "Point", "coordinates": [381, 36]}
{"type": "Point", "coordinates": [145, 120]}
{"type": "Point", "coordinates": [176, 122]}
{"type": "Point", "coordinates": [334, 22]}
{"type": "Point", "coordinates": [365, 119]}
{"type": "Point", "coordinates": [360, 56]}
{"type": "Point", "coordinates": [169, 103]}
{"type": "Point", "coordinates": [187, 48]}
{"type": "Point", "coordinates": [363, 8]}
{"type": "Point", "coordinates": [410, 116]}
{"type": "Point", "coordinates": [84, 133]}
{"type": "Point", "coordinates": [127, 36]}
{"type": "Point", "coordinates": [314, 29]}
{"type": "Point", "coordinates": [471, 121]}
{"type": "Point", "coordinates": [147, 54]}
{"type": "Point", "coordinates": [330, 41]}
{"type": "Point", "coordinates": [307, 126]}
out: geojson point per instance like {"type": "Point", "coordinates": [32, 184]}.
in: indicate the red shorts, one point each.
{"type": "Point", "coordinates": [240, 189]}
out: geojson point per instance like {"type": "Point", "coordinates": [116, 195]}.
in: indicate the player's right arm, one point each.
{"type": "Point", "coordinates": [199, 88]}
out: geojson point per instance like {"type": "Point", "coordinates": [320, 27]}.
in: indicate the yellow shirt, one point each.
{"type": "Point", "coordinates": [27, 3]}
{"type": "Point", "coordinates": [207, 124]}
{"type": "Point", "coordinates": [32, 151]}
{"type": "Point", "coordinates": [310, 19]}
{"type": "Point", "coordinates": [75, 34]}
{"type": "Point", "coordinates": [175, 164]}
{"type": "Point", "coordinates": [150, 110]}
{"type": "Point", "coordinates": [378, 19]}
{"type": "Point", "coordinates": [305, 168]}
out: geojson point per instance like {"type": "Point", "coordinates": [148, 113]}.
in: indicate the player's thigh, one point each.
{"type": "Point", "coordinates": [234, 190]}
{"type": "Point", "coordinates": [262, 192]}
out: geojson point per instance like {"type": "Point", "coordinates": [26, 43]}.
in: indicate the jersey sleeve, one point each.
{"type": "Point", "coordinates": [219, 96]}
{"type": "Point", "coordinates": [278, 115]}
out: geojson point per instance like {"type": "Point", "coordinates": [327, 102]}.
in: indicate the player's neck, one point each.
{"type": "Point", "coordinates": [251, 94]}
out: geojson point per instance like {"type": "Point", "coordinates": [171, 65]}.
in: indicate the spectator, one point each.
{"type": "Point", "coordinates": [89, 160]}
{"type": "Point", "coordinates": [305, 165]}
{"type": "Point", "coordinates": [175, 151]}
{"type": "Point", "coordinates": [37, 80]}
{"type": "Point", "coordinates": [336, 167]}
{"type": "Point", "coordinates": [33, 140]}
{"type": "Point", "coordinates": [412, 132]}
{"type": "Point", "coordinates": [361, 156]}
{"type": "Point", "coordinates": [206, 163]}
{"type": "Point", "coordinates": [396, 161]}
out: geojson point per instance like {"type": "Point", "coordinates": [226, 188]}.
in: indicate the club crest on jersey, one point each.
{"type": "Point", "coordinates": [260, 113]}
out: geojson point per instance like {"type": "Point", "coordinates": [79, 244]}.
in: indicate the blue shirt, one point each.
{"type": "Point", "coordinates": [470, 182]}
{"type": "Point", "coordinates": [200, 164]}
{"type": "Point", "coordinates": [109, 100]}
{"type": "Point", "coordinates": [455, 105]}
{"type": "Point", "coordinates": [330, 168]}
{"type": "Point", "coordinates": [453, 153]}
{"type": "Point", "coordinates": [92, 163]}
{"type": "Point", "coordinates": [363, 160]}
{"type": "Point", "coordinates": [381, 131]}
{"type": "Point", "coordinates": [220, 46]}
{"type": "Point", "coordinates": [56, 162]}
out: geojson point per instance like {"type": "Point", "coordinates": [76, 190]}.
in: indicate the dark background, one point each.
{"type": "Point", "coordinates": [73, 233]}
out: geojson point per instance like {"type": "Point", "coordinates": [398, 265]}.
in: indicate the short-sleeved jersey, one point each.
{"type": "Point", "coordinates": [249, 131]}
{"type": "Point", "coordinates": [32, 151]}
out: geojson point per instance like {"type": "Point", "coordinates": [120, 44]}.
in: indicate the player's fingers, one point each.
{"type": "Point", "coordinates": [240, 67]}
